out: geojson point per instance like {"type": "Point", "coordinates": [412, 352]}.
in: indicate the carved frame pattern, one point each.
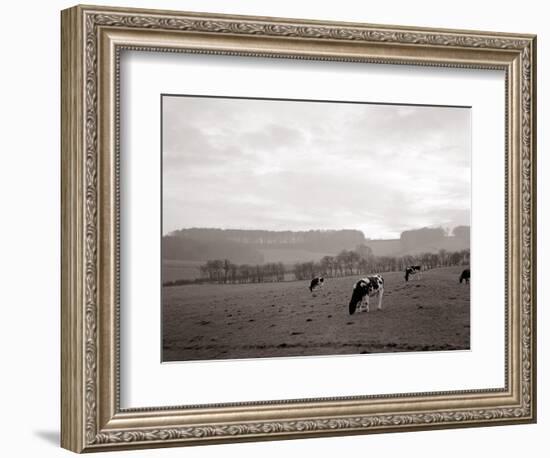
{"type": "Point", "coordinates": [90, 21]}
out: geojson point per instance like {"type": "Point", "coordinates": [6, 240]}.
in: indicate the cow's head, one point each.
{"type": "Point", "coordinates": [360, 290]}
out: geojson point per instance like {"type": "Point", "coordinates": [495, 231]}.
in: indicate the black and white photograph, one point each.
{"type": "Point", "coordinates": [309, 228]}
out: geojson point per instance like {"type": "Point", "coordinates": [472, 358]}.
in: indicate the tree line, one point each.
{"type": "Point", "coordinates": [224, 271]}
{"type": "Point", "coordinates": [360, 261]}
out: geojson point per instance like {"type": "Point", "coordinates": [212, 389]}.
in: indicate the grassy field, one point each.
{"type": "Point", "coordinates": [291, 255]}
{"type": "Point", "coordinates": [180, 270]}
{"type": "Point", "coordinates": [203, 322]}
{"type": "Point", "coordinates": [190, 270]}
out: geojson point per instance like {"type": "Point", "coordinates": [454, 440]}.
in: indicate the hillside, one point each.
{"type": "Point", "coordinates": [313, 240]}
{"type": "Point", "coordinates": [184, 248]}
{"type": "Point", "coordinates": [292, 255]}
{"type": "Point", "coordinates": [257, 247]}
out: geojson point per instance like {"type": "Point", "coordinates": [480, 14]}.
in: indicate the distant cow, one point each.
{"type": "Point", "coordinates": [317, 282]}
{"type": "Point", "coordinates": [364, 289]}
{"type": "Point", "coordinates": [465, 275]}
{"type": "Point", "coordinates": [412, 270]}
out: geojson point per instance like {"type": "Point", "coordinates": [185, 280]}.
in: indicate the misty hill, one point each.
{"type": "Point", "coordinates": [314, 240]}
{"type": "Point", "coordinates": [425, 240]}
{"type": "Point", "coordinates": [258, 246]}
{"type": "Point", "coordinates": [180, 248]}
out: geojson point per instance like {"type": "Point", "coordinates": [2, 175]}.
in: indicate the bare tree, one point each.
{"type": "Point", "coordinates": [442, 257]}
{"type": "Point", "coordinates": [226, 267]}
{"type": "Point", "coordinates": [347, 262]}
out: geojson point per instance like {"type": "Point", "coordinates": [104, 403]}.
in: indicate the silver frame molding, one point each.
{"type": "Point", "coordinates": [92, 39]}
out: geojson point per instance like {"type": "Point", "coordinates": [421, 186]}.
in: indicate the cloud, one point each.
{"type": "Point", "coordinates": [285, 165]}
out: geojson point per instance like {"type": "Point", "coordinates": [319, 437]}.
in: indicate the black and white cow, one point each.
{"type": "Point", "coordinates": [316, 282]}
{"type": "Point", "coordinates": [412, 270]}
{"type": "Point", "coordinates": [364, 289]}
{"type": "Point", "coordinates": [465, 275]}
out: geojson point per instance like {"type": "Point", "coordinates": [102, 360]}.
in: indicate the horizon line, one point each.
{"type": "Point", "coordinates": [312, 230]}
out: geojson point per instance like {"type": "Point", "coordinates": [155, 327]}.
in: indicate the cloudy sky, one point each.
{"type": "Point", "coordinates": [290, 165]}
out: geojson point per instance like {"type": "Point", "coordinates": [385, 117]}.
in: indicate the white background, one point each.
{"type": "Point", "coordinates": [29, 186]}
{"type": "Point", "coordinates": [145, 76]}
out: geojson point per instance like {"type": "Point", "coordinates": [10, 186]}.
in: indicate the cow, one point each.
{"type": "Point", "coordinates": [465, 275]}
{"type": "Point", "coordinates": [316, 282]}
{"type": "Point", "coordinates": [364, 289]}
{"type": "Point", "coordinates": [412, 270]}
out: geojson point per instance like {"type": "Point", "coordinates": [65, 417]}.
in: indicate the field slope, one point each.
{"type": "Point", "coordinates": [202, 322]}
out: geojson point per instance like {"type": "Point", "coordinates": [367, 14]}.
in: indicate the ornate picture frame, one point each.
{"type": "Point", "coordinates": [92, 40]}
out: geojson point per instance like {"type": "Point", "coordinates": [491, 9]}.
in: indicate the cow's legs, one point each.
{"type": "Point", "coordinates": [364, 305]}
{"type": "Point", "coordinates": [380, 294]}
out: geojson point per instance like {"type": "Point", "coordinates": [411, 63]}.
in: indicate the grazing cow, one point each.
{"type": "Point", "coordinates": [465, 275]}
{"type": "Point", "coordinates": [363, 289]}
{"type": "Point", "coordinates": [412, 270]}
{"type": "Point", "coordinates": [317, 282]}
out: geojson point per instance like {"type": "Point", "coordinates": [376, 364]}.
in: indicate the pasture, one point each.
{"type": "Point", "coordinates": [202, 322]}
{"type": "Point", "coordinates": [180, 270]}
